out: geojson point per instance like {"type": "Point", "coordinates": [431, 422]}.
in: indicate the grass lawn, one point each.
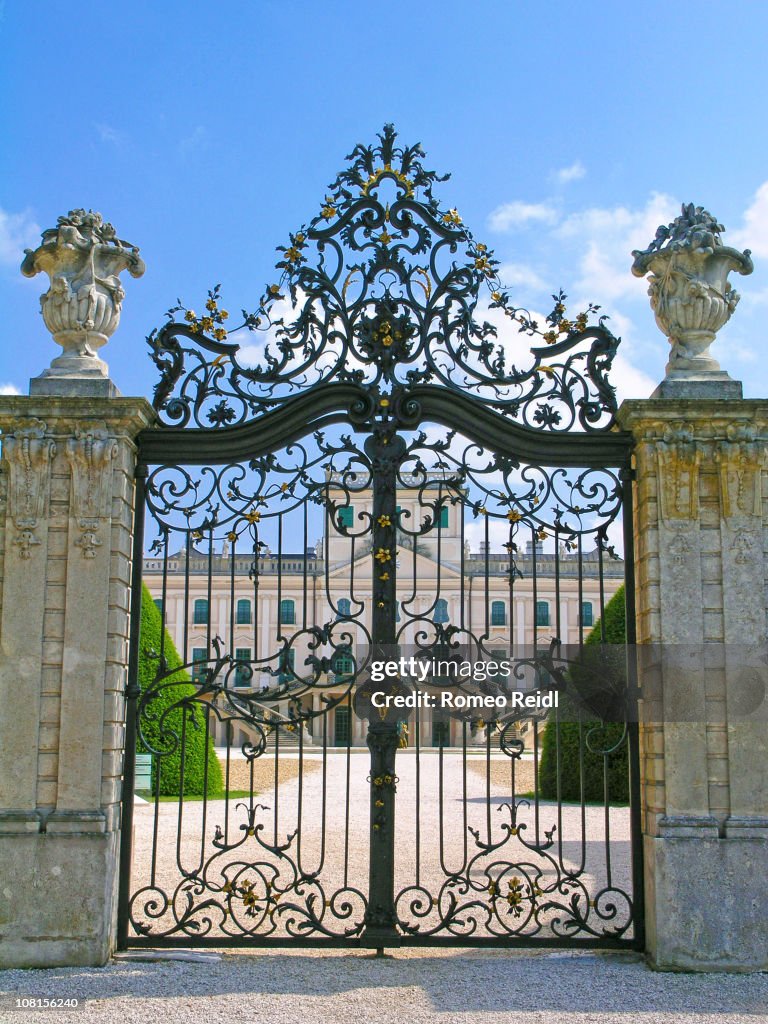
{"type": "Point", "coordinates": [234, 794]}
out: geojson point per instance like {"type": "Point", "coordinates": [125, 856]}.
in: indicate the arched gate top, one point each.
{"type": "Point", "coordinates": [382, 295]}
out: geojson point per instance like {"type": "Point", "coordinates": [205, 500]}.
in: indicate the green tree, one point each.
{"type": "Point", "coordinates": [159, 728]}
{"type": "Point", "coordinates": [573, 726]}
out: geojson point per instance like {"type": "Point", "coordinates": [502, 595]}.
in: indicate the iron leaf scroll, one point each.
{"type": "Point", "coordinates": [384, 288]}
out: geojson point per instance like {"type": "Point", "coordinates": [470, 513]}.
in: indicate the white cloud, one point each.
{"type": "Point", "coordinates": [742, 353]}
{"type": "Point", "coordinates": [9, 389]}
{"type": "Point", "coordinates": [606, 237]}
{"type": "Point", "coordinates": [758, 298]}
{"type": "Point", "coordinates": [254, 343]}
{"type": "Point", "coordinates": [754, 234]}
{"type": "Point", "coordinates": [629, 381]}
{"type": "Point", "coordinates": [567, 174]}
{"type": "Point", "coordinates": [516, 214]}
{"type": "Point", "coordinates": [517, 275]}
{"type": "Point", "coordinates": [193, 141]}
{"type": "Point", "coordinates": [109, 134]}
{"type": "Point", "coordinates": [18, 231]}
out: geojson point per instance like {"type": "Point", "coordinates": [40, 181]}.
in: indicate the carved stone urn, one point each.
{"type": "Point", "coordinates": [691, 296]}
{"type": "Point", "coordinates": [83, 257]}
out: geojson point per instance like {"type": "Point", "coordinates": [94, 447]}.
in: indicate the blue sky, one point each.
{"type": "Point", "coordinates": [205, 133]}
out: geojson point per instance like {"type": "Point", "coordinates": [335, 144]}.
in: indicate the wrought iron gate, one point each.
{"type": "Point", "coordinates": [357, 495]}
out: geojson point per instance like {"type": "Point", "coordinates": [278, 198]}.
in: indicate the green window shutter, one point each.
{"type": "Point", "coordinates": [441, 610]}
{"type": "Point", "coordinates": [288, 612]}
{"type": "Point", "coordinates": [243, 671]}
{"type": "Point", "coordinates": [287, 662]}
{"type": "Point", "coordinates": [199, 656]}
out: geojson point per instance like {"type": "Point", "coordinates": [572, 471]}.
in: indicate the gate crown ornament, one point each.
{"type": "Point", "coordinates": [383, 288]}
{"type": "Point", "coordinates": [83, 257]}
{"type": "Point", "coordinates": [690, 293]}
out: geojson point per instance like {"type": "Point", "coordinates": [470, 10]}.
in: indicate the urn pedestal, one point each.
{"type": "Point", "coordinates": [692, 299]}
{"type": "Point", "coordinates": [83, 258]}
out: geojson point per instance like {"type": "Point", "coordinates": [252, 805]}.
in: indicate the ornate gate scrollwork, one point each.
{"type": "Point", "coordinates": [388, 394]}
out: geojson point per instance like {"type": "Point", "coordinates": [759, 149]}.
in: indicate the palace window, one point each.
{"type": "Point", "coordinates": [498, 614]}
{"type": "Point", "coordinates": [286, 664]}
{"type": "Point", "coordinates": [288, 612]}
{"type": "Point", "coordinates": [243, 617]}
{"type": "Point", "coordinates": [200, 615]}
{"type": "Point", "coordinates": [441, 610]}
{"type": "Point", "coordinates": [346, 517]}
{"type": "Point", "coordinates": [243, 671]}
{"type": "Point", "coordinates": [586, 614]}
{"type": "Point", "coordinates": [342, 664]}
{"type": "Point", "coordinates": [542, 613]}
{"type": "Point", "coordinates": [345, 608]}
{"type": "Point", "coordinates": [199, 658]}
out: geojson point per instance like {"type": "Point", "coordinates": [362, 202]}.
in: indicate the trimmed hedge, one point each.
{"type": "Point", "coordinates": [159, 730]}
{"type": "Point", "coordinates": [576, 723]}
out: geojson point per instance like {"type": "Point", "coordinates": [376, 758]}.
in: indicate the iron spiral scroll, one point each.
{"type": "Point", "coordinates": [385, 357]}
{"type": "Point", "coordinates": [383, 290]}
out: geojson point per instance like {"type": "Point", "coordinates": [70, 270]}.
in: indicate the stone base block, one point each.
{"type": "Point", "coordinates": [706, 903]}
{"type": "Point", "coordinates": [58, 899]}
{"type": "Point", "coordinates": [73, 387]}
{"type": "Point", "coordinates": [705, 386]}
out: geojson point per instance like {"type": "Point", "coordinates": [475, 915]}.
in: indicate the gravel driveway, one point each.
{"type": "Point", "coordinates": [415, 986]}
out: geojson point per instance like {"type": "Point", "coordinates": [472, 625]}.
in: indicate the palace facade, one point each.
{"type": "Point", "coordinates": [511, 602]}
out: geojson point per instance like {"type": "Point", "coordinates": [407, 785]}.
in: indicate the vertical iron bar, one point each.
{"type": "Point", "coordinates": [633, 725]}
{"type": "Point", "coordinates": [209, 594]}
{"type": "Point", "coordinates": [347, 783]}
{"type": "Point", "coordinates": [132, 693]}
{"type": "Point", "coordinates": [185, 654]}
{"type": "Point", "coordinates": [203, 824]}
{"type": "Point", "coordinates": [417, 738]}
{"type": "Point", "coordinates": [384, 448]}
{"type": "Point", "coordinates": [228, 735]}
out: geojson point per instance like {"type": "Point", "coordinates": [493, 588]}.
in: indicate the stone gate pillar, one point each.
{"type": "Point", "coordinates": [701, 537]}
{"type": "Point", "coordinates": [66, 512]}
